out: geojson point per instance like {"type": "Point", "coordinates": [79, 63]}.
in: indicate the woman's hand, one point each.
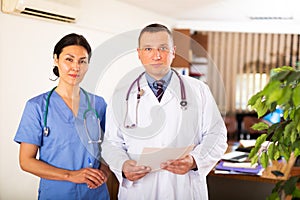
{"type": "Point", "coordinates": [28, 162]}
{"type": "Point", "coordinates": [92, 177]}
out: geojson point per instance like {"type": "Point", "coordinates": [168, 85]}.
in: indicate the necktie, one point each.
{"type": "Point", "coordinates": [158, 85]}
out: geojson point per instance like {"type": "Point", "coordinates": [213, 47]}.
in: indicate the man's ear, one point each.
{"type": "Point", "coordinates": [139, 52]}
{"type": "Point", "coordinates": [174, 51]}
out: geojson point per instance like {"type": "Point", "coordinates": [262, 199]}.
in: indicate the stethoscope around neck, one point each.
{"type": "Point", "coordinates": [183, 102]}
{"type": "Point", "coordinates": [46, 130]}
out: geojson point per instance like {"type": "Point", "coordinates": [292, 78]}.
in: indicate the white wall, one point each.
{"type": "Point", "coordinates": [26, 46]}
{"type": "Point", "coordinates": [251, 26]}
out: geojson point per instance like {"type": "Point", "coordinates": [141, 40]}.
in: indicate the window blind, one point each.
{"type": "Point", "coordinates": [240, 64]}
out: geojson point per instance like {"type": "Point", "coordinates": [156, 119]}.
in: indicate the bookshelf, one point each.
{"type": "Point", "coordinates": [191, 52]}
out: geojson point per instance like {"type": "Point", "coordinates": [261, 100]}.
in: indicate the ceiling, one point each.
{"type": "Point", "coordinates": [229, 10]}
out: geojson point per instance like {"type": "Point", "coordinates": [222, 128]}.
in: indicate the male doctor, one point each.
{"type": "Point", "coordinates": [200, 125]}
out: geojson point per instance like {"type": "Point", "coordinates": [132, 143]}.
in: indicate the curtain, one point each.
{"type": "Point", "coordinates": [239, 64]}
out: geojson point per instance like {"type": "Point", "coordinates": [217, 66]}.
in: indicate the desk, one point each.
{"type": "Point", "coordinates": [236, 186]}
{"type": "Point", "coordinates": [287, 168]}
{"type": "Point", "coordinates": [221, 187]}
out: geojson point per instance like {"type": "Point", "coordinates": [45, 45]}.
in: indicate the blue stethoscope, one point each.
{"type": "Point", "coordinates": [89, 109]}
{"type": "Point", "coordinates": [183, 102]}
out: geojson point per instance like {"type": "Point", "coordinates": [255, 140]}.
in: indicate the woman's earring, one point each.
{"type": "Point", "coordinates": [56, 73]}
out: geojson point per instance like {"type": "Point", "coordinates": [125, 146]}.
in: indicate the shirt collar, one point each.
{"type": "Point", "coordinates": [166, 78]}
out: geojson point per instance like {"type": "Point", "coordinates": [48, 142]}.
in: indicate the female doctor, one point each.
{"type": "Point", "coordinates": [198, 124]}
{"type": "Point", "coordinates": [67, 170]}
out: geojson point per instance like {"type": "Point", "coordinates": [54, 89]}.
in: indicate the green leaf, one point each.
{"type": "Point", "coordinates": [296, 193]}
{"type": "Point", "coordinates": [286, 95]}
{"type": "Point", "coordinates": [270, 87]}
{"type": "Point", "coordinates": [297, 119]}
{"type": "Point", "coordinates": [260, 126]}
{"type": "Point", "coordinates": [297, 152]}
{"type": "Point", "coordinates": [290, 185]}
{"type": "Point", "coordinates": [293, 136]}
{"type": "Point", "coordinates": [273, 196]}
{"type": "Point", "coordinates": [296, 148]}
{"type": "Point", "coordinates": [292, 114]}
{"type": "Point", "coordinates": [293, 76]}
{"type": "Point", "coordinates": [253, 152]}
{"type": "Point", "coordinates": [287, 142]}
{"type": "Point", "coordinates": [254, 159]}
{"type": "Point", "coordinates": [261, 139]}
{"type": "Point", "coordinates": [296, 96]}
{"type": "Point", "coordinates": [262, 110]}
{"type": "Point", "coordinates": [286, 114]}
{"type": "Point", "coordinates": [280, 69]}
{"type": "Point", "coordinates": [264, 159]}
{"type": "Point", "coordinates": [272, 128]}
{"type": "Point", "coordinates": [254, 98]}
{"type": "Point", "coordinates": [284, 152]}
{"type": "Point", "coordinates": [271, 150]}
{"type": "Point", "coordinates": [260, 107]}
{"type": "Point", "coordinates": [280, 75]}
{"type": "Point", "coordinates": [278, 132]}
{"type": "Point", "coordinates": [273, 107]}
{"type": "Point", "coordinates": [275, 95]}
{"type": "Point", "coordinates": [288, 129]}
{"type": "Point", "coordinates": [276, 155]}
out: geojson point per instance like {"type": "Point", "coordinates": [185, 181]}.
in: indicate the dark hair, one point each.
{"type": "Point", "coordinates": [69, 40]}
{"type": "Point", "coordinates": [154, 28]}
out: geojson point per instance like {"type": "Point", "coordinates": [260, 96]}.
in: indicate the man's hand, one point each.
{"type": "Point", "coordinates": [133, 172]}
{"type": "Point", "coordinates": [179, 166]}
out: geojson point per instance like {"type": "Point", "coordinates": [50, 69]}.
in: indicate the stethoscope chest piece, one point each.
{"type": "Point", "coordinates": [183, 104]}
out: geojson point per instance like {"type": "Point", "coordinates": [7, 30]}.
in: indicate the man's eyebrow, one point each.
{"type": "Point", "coordinates": [148, 45]}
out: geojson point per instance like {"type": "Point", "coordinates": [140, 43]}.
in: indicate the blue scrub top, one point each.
{"type": "Point", "coordinates": [63, 147]}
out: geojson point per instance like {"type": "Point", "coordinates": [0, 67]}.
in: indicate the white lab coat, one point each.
{"type": "Point", "coordinates": [201, 124]}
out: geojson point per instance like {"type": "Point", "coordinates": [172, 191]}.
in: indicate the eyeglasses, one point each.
{"type": "Point", "coordinates": [151, 50]}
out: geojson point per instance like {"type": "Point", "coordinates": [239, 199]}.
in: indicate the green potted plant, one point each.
{"type": "Point", "coordinates": [283, 90]}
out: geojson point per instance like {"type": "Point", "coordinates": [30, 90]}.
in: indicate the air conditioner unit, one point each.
{"type": "Point", "coordinates": [61, 10]}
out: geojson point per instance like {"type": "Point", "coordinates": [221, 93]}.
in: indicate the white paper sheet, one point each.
{"type": "Point", "coordinates": [153, 157]}
{"type": "Point", "coordinates": [235, 156]}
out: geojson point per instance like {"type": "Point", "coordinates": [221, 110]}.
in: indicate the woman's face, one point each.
{"type": "Point", "coordinates": [72, 64]}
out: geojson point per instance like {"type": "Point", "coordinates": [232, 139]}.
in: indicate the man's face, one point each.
{"type": "Point", "coordinates": [156, 53]}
